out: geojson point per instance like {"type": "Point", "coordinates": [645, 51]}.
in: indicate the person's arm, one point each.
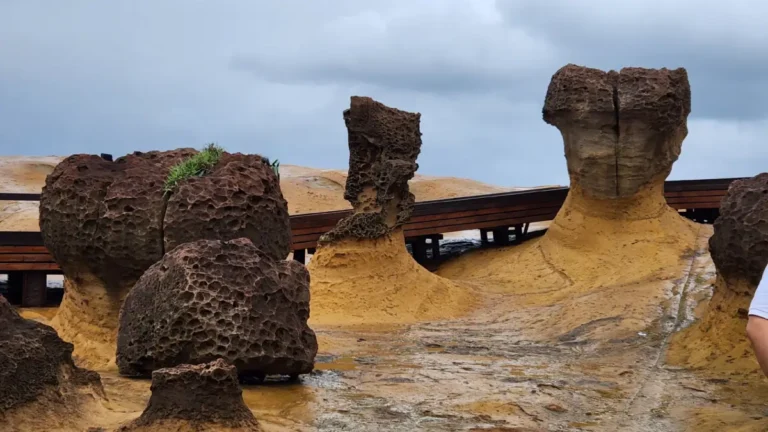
{"type": "Point", "coordinates": [757, 332]}
{"type": "Point", "coordinates": [757, 325]}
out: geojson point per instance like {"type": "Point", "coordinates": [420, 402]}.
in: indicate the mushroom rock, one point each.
{"type": "Point", "coordinates": [214, 299]}
{"type": "Point", "coordinates": [204, 397]}
{"type": "Point", "coordinates": [38, 378]}
{"type": "Point", "coordinates": [349, 282]}
{"type": "Point", "coordinates": [739, 250]}
{"type": "Point", "coordinates": [622, 131]}
{"type": "Point", "coordinates": [106, 222]}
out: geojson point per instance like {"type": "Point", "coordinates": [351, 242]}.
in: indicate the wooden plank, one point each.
{"type": "Point", "coordinates": [545, 211]}
{"type": "Point", "coordinates": [19, 196]}
{"type": "Point", "coordinates": [319, 229]}
{"type": "Point", "coordinates": [7, 258]}
{"type": "Point", "coordinates": [21, 238]}
{"type": "Point", "coordinates": [695, 193]}
{"type": "Point", "coordinates": [478, 225]}
{"type": "Point", "coordinates": [708, 201]}
{"type": "Point", "coordinates": [23, 249]}
{"type": "Point", "coordinates": [28, 266]}
{"type": "Point", "coordinates": [692, 185]}
{"type": "Point", "coordinates": [507, 209]}
{"type": "Point", "coordinates": [691, 206]}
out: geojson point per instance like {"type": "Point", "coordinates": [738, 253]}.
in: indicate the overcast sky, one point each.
{"type": "Point", "coordinates": [273, 77]}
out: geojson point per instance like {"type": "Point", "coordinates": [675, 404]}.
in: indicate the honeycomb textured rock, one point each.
{"type": "Point", "coordinates": [199, 395]}
{"type": "Point", "coordinates": [111, 219]}
{"type": "Point", "coordinates": [105, 218]}
{"type": "Point", "coordinates": [739, 246]}
{"type": "Point", "coordinates": [384, 143]}
{"type": "Point", "coordinates": [241, 197]}
{"type": "Point", "coordinates": [33, 358]}
{"type": "Point", "coordinates": [211, 299]}
{"type": "Point", "coordinates": [621, 129]}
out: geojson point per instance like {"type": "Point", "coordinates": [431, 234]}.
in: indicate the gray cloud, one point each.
{"type": "Point", "coordinates": [274, 77]}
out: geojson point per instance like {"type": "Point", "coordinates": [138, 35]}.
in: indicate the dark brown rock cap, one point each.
{"type": "Point", "coordinates": [659, 97]}
{"type": "Point", "coordinates": [33, 358]}
{"type": "Point", "coordinates": [739, 246]}
{"type": "Point", "coordinates": [384, 144]}
{"type": "Point", "coordinates": [213, 299]}
{"type": "Point", "coordinates": [200, 394]}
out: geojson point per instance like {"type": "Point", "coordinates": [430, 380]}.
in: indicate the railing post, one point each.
{"type": "Point", "coordinates": [35, 289]}
{"type": "Point", "coordinates": [300, 255]}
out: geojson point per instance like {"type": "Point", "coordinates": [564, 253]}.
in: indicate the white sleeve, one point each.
{"type": "Point", "coordinates": [759, 305]}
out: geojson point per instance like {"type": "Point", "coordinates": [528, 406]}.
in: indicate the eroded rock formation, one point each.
{"type": "Point", "coordinates": [211, 299]}
{"type": "Point", "coordinates": [36, 367]}
{"type": "Point", "coordinates": [615, 246]}
{"type": "Point", "coordinates": [739, 249]}
{"type": "Point", "coordinates": [203, 397]}
{"type": "Point", "coordinates": [362, 272]}
{"type": "Point", "coordinates": [107, 222]}
{"type": "Point", "coordinates": [384, 143]}
{"type": "Point", "coordinates": [621, 129]}
{"type": "Point", "coordinates": [739, 246]}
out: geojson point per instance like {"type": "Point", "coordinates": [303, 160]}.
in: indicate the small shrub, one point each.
{"type": "Point", "coordinates": [195, 166]}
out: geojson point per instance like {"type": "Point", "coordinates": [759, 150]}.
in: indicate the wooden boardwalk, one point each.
{"type": "Point", "coordinates": [24, 257]}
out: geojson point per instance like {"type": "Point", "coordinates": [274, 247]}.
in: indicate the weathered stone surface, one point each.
{"type": "Point", "coordinates": [212, 299]}
{"type": "Point", "coordinates": [32, 359]}
{"type": "Point", "coordinates": [384, 143]}
{"type": "Point", "coordinates": [621, 129]}
{"type": "Point", "coordinates": [241, 197]}
{"type": "Point", "coordinates": [107, 222]}
{"type": "Point", "coordinates": [105, 218]}
{"type": "Point", "coordinates": [201, 396]}
{"type": "Point", "coordinates": [739, 246]}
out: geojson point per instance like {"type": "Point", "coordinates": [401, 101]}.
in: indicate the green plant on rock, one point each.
{"type": "Point", "coordinates": [197, 165]}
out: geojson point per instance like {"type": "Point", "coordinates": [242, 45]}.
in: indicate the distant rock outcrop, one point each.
{"type": "Point", "coordinates": [36, 366]}
{"type": "Point", "coordinates": [384, 143]}
{"type": "Point", "coordinates": [203, 397]}
{"type": "Point", "coordinates": [106, 222]}
{"type": "Point", "coordinates": [621, 129]}
{"type": "Point", "coordinates": [211, 299]}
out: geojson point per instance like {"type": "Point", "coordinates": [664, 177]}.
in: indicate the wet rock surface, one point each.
{"type": "Point", "coordinates": [384, 143]}
{"type": "Point", "coordinates": [621, 129]}
{"type": "Point", "coordinates": [212, 299]}
{"type": "Point", "coordinates": [33, 359]}
{"type": "Point", "coordinates": [205, 397]}
{"type": "Point", "coordinates": [739, 246]}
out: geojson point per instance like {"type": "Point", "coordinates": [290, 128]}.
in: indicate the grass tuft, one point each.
{"type": "Point", "coordinates": [195, 166]}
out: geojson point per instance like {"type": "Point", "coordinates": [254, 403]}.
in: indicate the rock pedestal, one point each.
{"type": "Point", "coordinates": [203, 397]}
{"type": "Point", "coordinates": [362, 271]}
{"type": "Point", "coordinates": [106, 222]}
{"type": "Point", "coordinates": [212, 299]}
